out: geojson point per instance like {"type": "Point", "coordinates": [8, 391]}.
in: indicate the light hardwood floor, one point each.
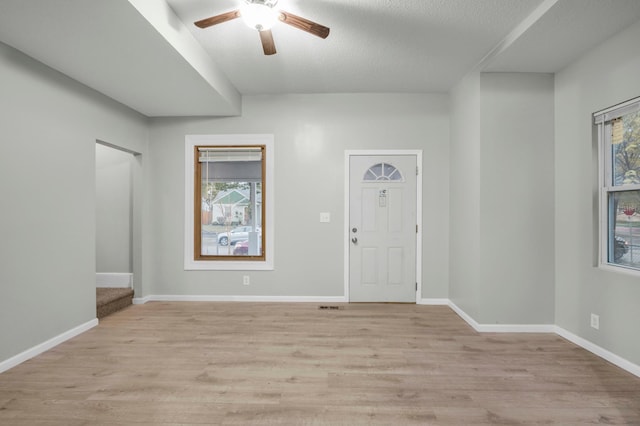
{"type": "Point", "coordinates": [269, 363]}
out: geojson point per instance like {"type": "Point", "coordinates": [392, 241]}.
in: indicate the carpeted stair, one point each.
{"type": "Point", "coordinates": [110, 300]}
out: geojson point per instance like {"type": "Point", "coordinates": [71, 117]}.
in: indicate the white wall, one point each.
{"type": "Point", "coordinates": [311, 134]}
{"type": "Point", "coordinates": [604, 77]}
{"type": "Point", "coordinates": [113, 210]}
{"type": "Point", "coordinates": [502, 223]}
{"type": "Point", "coordinates": [49, 126]}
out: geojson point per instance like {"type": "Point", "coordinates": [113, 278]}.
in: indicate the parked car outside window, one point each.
{"type": "Point", "coordinates": [242, 247]}
{"type": "Point", "coordinates": [236, 234]}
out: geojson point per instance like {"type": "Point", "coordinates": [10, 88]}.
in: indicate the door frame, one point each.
{"type": "Point", "coordinates": [347, 197]}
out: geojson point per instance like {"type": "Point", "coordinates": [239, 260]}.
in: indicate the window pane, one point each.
{"type": "Point", "coordinates": [382, 172]}
{"type": "Point", "coordinates": [230, 201]}
{"type": "Point", "coordinates": [625, 149]}
{"type": "Point", "coordinates": [624, 228]}
{"type": "Point", "coordinates": [229, 227]}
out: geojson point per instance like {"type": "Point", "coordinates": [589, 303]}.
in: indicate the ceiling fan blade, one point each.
{"type": "Point", "coordinates": [218, 19]}
{"type": "Point", "coordinates": [268, 45]}
{"type": "Point", "coordinates": [304, 24]}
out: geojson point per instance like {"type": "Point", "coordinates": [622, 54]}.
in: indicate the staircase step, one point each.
{"type": "Point", "coordinates": [110, 300]}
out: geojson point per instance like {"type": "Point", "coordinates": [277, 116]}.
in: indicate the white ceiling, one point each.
{"type": "Point", "coordinates": [374, 45]}
{"type": "Point", "coordinates": [147, 54]}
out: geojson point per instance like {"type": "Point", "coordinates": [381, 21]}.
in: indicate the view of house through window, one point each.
{"type": "Point", "coordinates": [229, 208]}
{"type": "Point", "coordinates": [620, 198]}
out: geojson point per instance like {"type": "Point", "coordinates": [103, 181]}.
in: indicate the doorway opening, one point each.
{"type": "Point", "coordinates": [114, 228]}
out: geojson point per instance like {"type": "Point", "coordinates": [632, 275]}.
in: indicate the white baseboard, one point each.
{"type": "Point", "coordinates": [114, 279]}
{"type": "Point", "coordinates": [45, 346]}
{"type": "Point", "coordinates": [516, 328]}
{"type": "Point", "coordinates": [549, 328]}
{"type": "Point", "coordinates": [502, 328]}
{"type": "Point", "coordinates": [433, 302]}
{"type": "Point", "coordinates": [207, 298]}
{"type": "Point", "coordinates": [601, 352]}
{"type": "Point", "coordinates": [462, 314]}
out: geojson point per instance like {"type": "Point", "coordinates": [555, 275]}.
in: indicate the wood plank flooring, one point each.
{"type": "Point", "coordinates": [270, 363]}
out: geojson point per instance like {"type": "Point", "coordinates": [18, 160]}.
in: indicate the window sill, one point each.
{"type": "Point", "coordinates": [619, 269]}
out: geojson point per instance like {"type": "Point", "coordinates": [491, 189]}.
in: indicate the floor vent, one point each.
{"type": "Point", "coordinates": [330, 308]}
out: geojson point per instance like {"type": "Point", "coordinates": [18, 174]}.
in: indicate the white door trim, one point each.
{"type": "Point", "coordinates": [347, 155]}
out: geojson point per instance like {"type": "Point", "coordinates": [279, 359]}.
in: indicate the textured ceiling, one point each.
{"type": "Point", "coordinates": [374, 45]}
{"type": "Point", "coordinates": [148, 55]}
{"type": "Point", "coordinates": [564, 33]}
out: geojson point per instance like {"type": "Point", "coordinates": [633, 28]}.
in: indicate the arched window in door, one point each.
{"type": "Point", "coordinates": [383, 172]}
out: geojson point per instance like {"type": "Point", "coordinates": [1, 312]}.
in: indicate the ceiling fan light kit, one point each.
{"type": "Point", "coordinates": [262, 16]}
{"type": "Point", "coordinates": [259, 14]}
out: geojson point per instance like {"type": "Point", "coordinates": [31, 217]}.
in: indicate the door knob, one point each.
{"type": "Point", "coordinates": [354, 240]}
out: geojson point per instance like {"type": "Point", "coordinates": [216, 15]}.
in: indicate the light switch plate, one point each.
{"type": "Point", "coordinates": [325, 217]}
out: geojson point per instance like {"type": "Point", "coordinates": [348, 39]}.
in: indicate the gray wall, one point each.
{"type": "Point", "coordinates": [517, 199]}
{"type": "Point", "coordinates": [465, 195]}
{"type": "Point", "coordinates": [500, 155]}
{"type": "Point", "coordinates": [604, 77]}
{"type": "Point", "coordinates": [502, 218]}
{"type": "Point", "coordinates": [311, 133]}
{"type": "Point", "coordinates": [114, 210]}
{"type": "Point", "coordinates": [47, 185]}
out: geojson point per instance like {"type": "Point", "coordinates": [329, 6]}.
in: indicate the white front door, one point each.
{"type": "Point", "coordinates": [382, 228]}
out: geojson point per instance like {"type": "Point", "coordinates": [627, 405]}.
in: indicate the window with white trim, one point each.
{"type": "Point", "coordinates": [228, 215]}
{"type": "Point", "coordinates": [619, 151]}
{"type": "Point", "coordinates": [228, 202]}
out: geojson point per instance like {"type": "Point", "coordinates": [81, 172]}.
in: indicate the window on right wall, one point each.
{"type": "Point", "coordinates": [618, 130]}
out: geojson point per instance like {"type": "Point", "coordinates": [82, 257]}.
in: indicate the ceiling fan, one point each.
{"type": "Point", "coordinates": [261, 15]}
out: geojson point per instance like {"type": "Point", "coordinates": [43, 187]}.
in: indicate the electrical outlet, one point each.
{"type": "Point", "coordinates": [246, 280]}
{"type": "Point", "coordinates": [595, 321]}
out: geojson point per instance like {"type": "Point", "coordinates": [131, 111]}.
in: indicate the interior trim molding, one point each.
{"type": "Point", "coordinates": [190, 143]}
{"type": "Point", "coordinates": [549, 328]}
{"type": "Point", "coordinates": [599, 351]}
{"type": "Point", "coordinates": [114, 279]}
{"type": "Point", "coordinates": [141, 300]}
{"type": "Point", "coordinates": [502, 328]}
{"type": "Point", "coordinates": [462, 314]}
{"type": "Point", "coordinates": [218, 298]}
{"type": "Point", "coordinates": [45, 346]}
{"type": "Point", "coordinates": [433, 302]}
